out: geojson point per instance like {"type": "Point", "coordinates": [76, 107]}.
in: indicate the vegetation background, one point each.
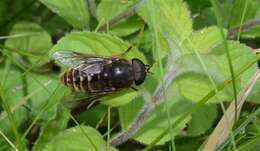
{"type": "Point", "coordinates": [202, 94]}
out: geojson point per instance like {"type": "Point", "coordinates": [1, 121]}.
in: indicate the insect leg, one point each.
{"type": "Point", "coordinates": [92, 103]}
{"type": "Point", "coordinates": [82, 106]}
{"type": "Point", "coordinates": [127, 50]}
{"type": "Point", "coordinates": [135, 89]}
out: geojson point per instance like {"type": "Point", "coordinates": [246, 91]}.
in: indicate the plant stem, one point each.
{"type": "Point", "coordinates": [244, 27]}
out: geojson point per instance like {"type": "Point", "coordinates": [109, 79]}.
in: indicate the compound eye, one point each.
{"type": "Point", "coordinates": [139, 71]}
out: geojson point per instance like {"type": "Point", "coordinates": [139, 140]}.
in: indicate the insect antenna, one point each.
{"type": "Point", "coordinates": [147, 69]}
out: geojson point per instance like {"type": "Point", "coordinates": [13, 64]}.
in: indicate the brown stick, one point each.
{"type": "Point", "coordinates": [244, 27]}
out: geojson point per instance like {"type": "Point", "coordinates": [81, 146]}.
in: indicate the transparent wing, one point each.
{"type": "Point", "coordinates": [73, 59]}
{"type": "Point", "coordinates": [94, 68]}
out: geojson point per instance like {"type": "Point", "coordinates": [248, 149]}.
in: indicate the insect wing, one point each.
{"type": "Point", "coordinates": [74, 59]}
{"type": "Point", "coordinates": [92, 68]}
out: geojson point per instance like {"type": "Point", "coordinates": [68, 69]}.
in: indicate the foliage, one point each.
{"type": "Point", "coordinates": [177, 38]}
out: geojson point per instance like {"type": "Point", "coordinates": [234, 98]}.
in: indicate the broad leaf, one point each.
{"type": "Point", "coordinates": [31, 41]}
{"type": "Point", "coordinates": [169, 21]}
{"type": "Point", "coordinates": [52, 128]}
{"type": "Point", "coordinates": [12, 91]}
{"type": "Point", "coordinates": [202, 120]}
{"type": "Point", "coordinates": [158, 121]}
{"type": "Point", "coordinates": [249, 7]}
{"type": "Point", "coordinates": [115, 7]}
{"type": "Point", "coordinates": [44, 103]}
{"type": "Point", "coordinates": [122, 28]}
{"type": "Point", "coordinates": [204, 40]}
{"type": "Point", "coordinates": [192, 81]}
{"type": "Point", "coordinates": [75, 12]}
{"type": "Point", "coordinates": [240, 55]}
{"type": "Point", "coordinates": [126, 27]}
{"type": "Point", "coordinates": [81, 138]}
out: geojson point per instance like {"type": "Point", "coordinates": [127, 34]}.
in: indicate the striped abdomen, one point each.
{"type": "Point", "coordinates": [88, 78]}
{"type": "Point", "coordinates": [72, 78]}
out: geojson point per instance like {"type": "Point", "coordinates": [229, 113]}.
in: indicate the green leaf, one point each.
{"type": "Point", "coordinates": [81, 138]}
{"type": "Point", "coordinates": [207, 16]}
{"type": "Point", "coordinates": [75, 12]}
{"type": "Point", "coordinates": [252, 33]}
{"type": "Point", "coordinates": [122, 28]}
{"type": "Point", "coordinates": [169, 20]}
{"type": "Point", "coordinates": [129, 111]}
{"type": "Point", "coordinates": [12, 82]}
{"type": "Point", "coordinates": [101, 45]}
{"type": "Point", "coordinates": [44, 103]}
{"type": "Point", "coordinates": [252, 144]}
{"type": "Point", "coordinates": [170, 16]}
{"type": "Point", "coordinates": [3, 11]}
{"type": "Point", "coordinates": [255, 92]}
{"type": "Point", "coordinates": [126, 27]}
{"type": "Point", "coordinates": [157, 122]}
{"type": "Point", "coordinates": [202, 120]}
{"type": "Point", "coordinates": [238, 10]}
{"type": "Point", "coordinates": [119, 98]}
{"type": "Point", "coordinates": [198, 5]}
{"type": "Point", "coordinates": [187, 144]}
{"type": "Point", "coordinates": [52, 128]}
{"type": "Point", "coordinates": [240, 55]}
{"type": "Point", "coordinates": [93, 115]}
{"type": "Point", "coordinates": [115, 7]}
{"type": "Point", "coordinates": [31, 39]}
{"type": "Point", "coordinates": [192, 81]}
{"type": "Point", "coordinates": [205, 40]}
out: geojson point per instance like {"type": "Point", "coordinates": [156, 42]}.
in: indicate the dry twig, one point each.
{"type": "Point", "coordinates": [222, 131]}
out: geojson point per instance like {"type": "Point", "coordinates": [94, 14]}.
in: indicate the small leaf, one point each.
{"type": "Point", "coordinates": [205, 40]}
{"type": "Point", "coordinates": [252, 144]}
{"type": "Point", "coordinates": [238, 8]}
{"type": "Point", "coordinates": [240, 54]}
{"type": "Point", "coordinates": [33, 40]}
{"type": "Point", "coordinates": [192, 81]}
{"type": "Point", "coordinates": [119, 98]}
{"type": "Point", "coordinates": [129, 111]}
{"type": "Point", "coordinates": [126, 27]}
{"type": "Point", "coordinates": [122, 28]}
{"type": "Point", "coordinates": [252, 33]}
{"type": "Point", "coordinates": [52, 127]}
{"type": "Point", "coordinates": [115, 7]}
{"type": "Point", "coordinates": [75, 12]}
{"type": "Point", "coordinates": [169, 21]}
{"type": "Point", "coordinates": [81, 138]}
{"type": "Point", "coordinates": [12, 82]}
{"type": "Point", "coordinates": [202, 120]}
{"type": "Point", "coordinates": [172, 16]}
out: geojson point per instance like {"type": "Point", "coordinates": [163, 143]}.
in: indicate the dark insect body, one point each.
{"type": "Point", "coordinates": [103, 75]}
